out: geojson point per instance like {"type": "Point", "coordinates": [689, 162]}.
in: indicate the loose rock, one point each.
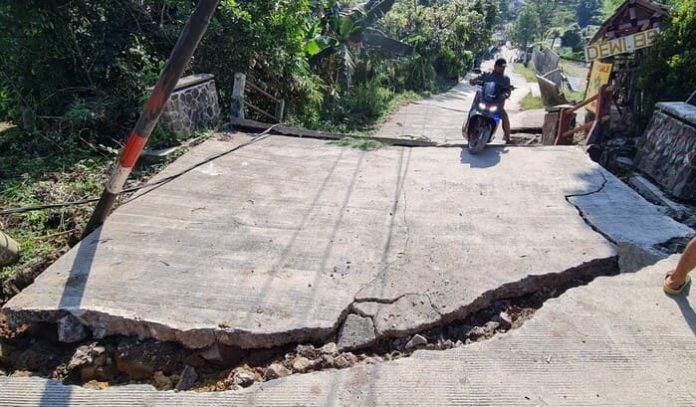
{"type": "Point", "coordinates": [140, 360]}
{"type": "Point", "coordinates": [161, 381]}
{"type": "Point", "coordinates": [96, 385]}
{"type": "Point", "coordinates": [244, 378]}
{"type": "Point", "coordinates": [417, 340]}
{"type": "Point", "coordinates": [187, 379]}
{"type": "Point", "coordinates": [71, 330]}
{"type": "Point", "coordinates": [327, 361]}
{"type": "Point", "coordinates": [302, 364]}
{"type": "Point", "coordinates": [220, 354]}
{"type": "Point", "coordinates": [505, 320]}
{"type": "Point", "coordinates": [341, 362]}
{"type": "Point", "coordinates": [307, 351]}
{"type": "Point", "coordinates": [491, 326]}
{"type": "Point", "coordinates": [276, 371]}
{"type": "Point", "coordinates": [329, 349]}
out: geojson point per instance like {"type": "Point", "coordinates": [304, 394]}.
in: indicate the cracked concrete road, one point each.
{"type": "Point", "coordinates": [619, 341]}
{"type": "Point", "coordinates": [282, 240]}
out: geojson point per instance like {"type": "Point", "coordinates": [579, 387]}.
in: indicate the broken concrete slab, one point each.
{"type": "Point", "coordinates": [583, 348]}
{"type": "Point", "coordinates": [622, 214]}
{"type": "Point", "coordinates": [274, 244]}
{"type": "Point", "coordinates": [654, 194]}
{"type": "Point", "coordinates": [356, 332]}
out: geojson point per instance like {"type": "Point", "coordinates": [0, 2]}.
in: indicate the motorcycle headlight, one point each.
{"type": "Point", "coordinates": [494, 108]}
{"type": "Point", "coordinates": [482, 106]}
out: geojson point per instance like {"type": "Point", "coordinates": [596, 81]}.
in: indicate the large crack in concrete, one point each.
{"type": "Point", "coordinates": [117, 360]}
{"type": "Point", "coordinates": [581, 212]}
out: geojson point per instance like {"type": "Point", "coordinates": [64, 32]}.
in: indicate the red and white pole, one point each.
{"type": "Point", "coordinates": [188, 41]}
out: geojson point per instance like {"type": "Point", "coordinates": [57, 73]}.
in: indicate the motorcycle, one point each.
{"type": "Point", "coordinates": [484, 117]}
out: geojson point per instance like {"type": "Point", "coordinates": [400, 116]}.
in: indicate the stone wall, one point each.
{"type": "Point", "coordinates": [193, 105]}
{"type": "Point", "coordinates": [667, 150]}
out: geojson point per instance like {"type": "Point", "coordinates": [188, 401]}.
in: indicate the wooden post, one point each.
{"type": "Point", "coordinates": [238, 96]}
{"type": "Point", "coordinates": [280, 110]}
{"type": "Point", "coordinates": [9, 250]}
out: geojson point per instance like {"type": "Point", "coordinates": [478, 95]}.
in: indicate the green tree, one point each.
{"type": "Point", "coordinates": [587, 12]}
{"type": "Point", "coordinates": [525, 30]}
{"type": "Point", "coordinates": [668, 70]}
{"type": "Point", "coordinates": [572, 37]}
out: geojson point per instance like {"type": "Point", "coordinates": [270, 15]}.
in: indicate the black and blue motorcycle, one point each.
{"type": "Point", "coordinates": [484, 117]}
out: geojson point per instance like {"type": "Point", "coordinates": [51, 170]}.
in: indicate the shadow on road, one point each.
{"type": "Point", "coordinates": [686, 309]}
{"type": "Point", "coordinates": [54, 393]}
{"type": "Point", "coordinates": [489, 157]}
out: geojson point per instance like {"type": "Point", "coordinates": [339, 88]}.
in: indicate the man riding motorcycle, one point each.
{"type": "Point", "coordinates": [502, 83]}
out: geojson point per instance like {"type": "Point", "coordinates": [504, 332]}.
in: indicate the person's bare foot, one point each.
{"type": "Point", "coordinates": [673, 283]}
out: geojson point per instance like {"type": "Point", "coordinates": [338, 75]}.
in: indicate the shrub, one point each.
{"type": "Point", "coordinates": [368, 100]}
{"type": "Point", "coordinates": [668, 70]}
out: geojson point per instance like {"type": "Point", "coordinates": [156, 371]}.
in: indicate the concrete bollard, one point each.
{"type": "Point", "coordinates": [9, 250]}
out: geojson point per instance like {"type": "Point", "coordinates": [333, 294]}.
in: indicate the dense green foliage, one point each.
{"type": "Point", "coordinates": [525, 29]}
{"type": "Point", "coordinates": [573, 39]}
{"type": "Point", "coordinates": [668, 70]}
{"type": "Point", "coordinates": [83, 68]}
{"type": "Point", "coordinates": [445, 36]}
{"type": "Point", "coordinates": [551, 19]}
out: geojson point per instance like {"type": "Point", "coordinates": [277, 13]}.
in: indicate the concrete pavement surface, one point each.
{"type": "Point", "coordinates": [284, 239]}
{"type": "Point", "coordinates": [619, 341]}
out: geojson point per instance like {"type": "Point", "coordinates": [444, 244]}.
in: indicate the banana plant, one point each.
{"type": "Point", "coordinates": [337, 33]}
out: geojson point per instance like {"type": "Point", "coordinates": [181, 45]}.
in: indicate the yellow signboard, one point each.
{"type": "Point", "coordinates": [621, 45]}
{"type": "Point", "coordinates": [599, 76]}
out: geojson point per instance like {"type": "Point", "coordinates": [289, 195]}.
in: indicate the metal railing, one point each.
{"type": "Point", "coordinates": [603, 99]}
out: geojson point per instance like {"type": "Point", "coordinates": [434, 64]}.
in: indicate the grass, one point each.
{"type": "Point", "coordinates": [528, 73]}
{"type": "Point", "coordinates": [37, 169]}
{"type": "Point", "coordinates": [364, 144]}
{"type": "Point", "coordinates": [575, 69]}
{"type": "Point", "coordinates": [530, 102]}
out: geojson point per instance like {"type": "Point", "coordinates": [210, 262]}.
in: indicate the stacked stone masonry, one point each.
{"type": "Point", "coordinates": [667, 153]}
{"type": "Point", "coordinates": [193, 106]}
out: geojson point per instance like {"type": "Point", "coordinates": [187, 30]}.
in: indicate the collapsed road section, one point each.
{"type": "Point", "coordinates": [294, 241]}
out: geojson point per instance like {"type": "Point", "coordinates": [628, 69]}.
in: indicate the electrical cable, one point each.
{"type": "Point", "coordinates": [258, 137]}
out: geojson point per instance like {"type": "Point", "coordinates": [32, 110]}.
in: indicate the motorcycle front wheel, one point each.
{"type": "Point", "coordinates": [478, 137]}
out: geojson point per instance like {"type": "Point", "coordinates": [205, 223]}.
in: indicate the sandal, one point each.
{"type": "Point", "coordinates": [672, 291]}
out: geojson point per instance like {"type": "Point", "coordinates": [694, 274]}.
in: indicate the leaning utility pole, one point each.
{"type": "Point", "coordinates": [188, 41]}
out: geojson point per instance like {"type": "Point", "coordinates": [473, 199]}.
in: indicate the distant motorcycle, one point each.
{"type": "Point", "coordinates": [484, 117]}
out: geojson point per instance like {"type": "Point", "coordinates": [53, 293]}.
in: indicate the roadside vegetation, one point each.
{"type": "Point", "coordinates": [669, 70]}
{"type": "Point", "coordinates": [48, 170]}
{"type": "Point", "coordinates": [365, 144]}
{"type": "Point", "coordinates": [530, 102]}
{"type": "Point", "coordinates": [526, 71]}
